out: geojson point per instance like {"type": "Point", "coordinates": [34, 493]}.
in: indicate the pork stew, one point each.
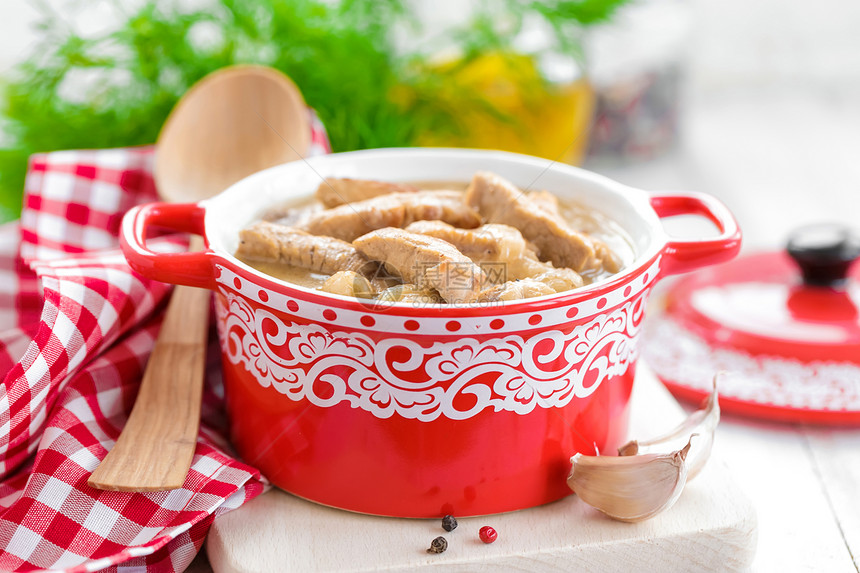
{"type": "Point", "coordinates": [435, 243]}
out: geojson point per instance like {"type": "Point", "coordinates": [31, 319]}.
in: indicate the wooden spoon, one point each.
{"type": "Point", "coordinates": [231, 124]}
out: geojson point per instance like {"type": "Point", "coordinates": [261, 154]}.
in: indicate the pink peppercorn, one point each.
{"type": "Point", "coordinates": [488, 534]}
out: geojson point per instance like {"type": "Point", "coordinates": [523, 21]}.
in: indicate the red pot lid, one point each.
{"type": "Point", "coordinates": [782, 327]}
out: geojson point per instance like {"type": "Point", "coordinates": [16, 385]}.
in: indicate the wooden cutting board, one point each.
{"type": "Point", "coordinates": [712, 527]}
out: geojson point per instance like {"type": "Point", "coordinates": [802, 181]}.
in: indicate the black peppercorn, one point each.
{"type": "Point", "coordinates": [449, 523]}
{"type": "Point", "coordinates": [438, 545]}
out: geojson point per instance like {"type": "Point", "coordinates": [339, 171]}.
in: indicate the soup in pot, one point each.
{"type": "Point", "coordinates": [435, 242]}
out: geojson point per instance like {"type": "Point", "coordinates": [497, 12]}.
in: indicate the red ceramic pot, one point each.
{"type": "Point", "coordinates": [418, 412]}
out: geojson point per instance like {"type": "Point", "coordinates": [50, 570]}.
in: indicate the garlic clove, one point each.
{"type": "Point", "coordinates": [702, 422]}
{"type": "Point", "coordinates": [630, 488]}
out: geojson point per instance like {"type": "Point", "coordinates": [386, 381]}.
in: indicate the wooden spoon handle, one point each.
{"type": "Point", "coordinates": [155, 449]}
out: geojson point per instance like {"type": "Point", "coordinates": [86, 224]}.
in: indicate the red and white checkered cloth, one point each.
{"type": "Point", "coordinates": [76, 328]}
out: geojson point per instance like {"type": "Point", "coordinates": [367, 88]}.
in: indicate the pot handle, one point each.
{"type": "Point", "coordinates": [681, 256]}
{"type": "Point", "coordinates": [192, 269]}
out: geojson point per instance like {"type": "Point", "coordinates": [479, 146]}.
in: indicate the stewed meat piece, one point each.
{"type": "Point", "coordinates": [493, 243]}
{"type": "Point", "coordinates": [348, 222]}
{"type": "Point", "coordinates": [268, 242]}
{"type": "Point", "coordinates": [603, 257]}
{"type": "Point", "coordinates": [500, 202]}
{"type": "Point", "coordinates": [336, 191]}
{"type": "Point", "coordinates": [424, 261]}
{"type": "Point", "coordinates": [546, 201]}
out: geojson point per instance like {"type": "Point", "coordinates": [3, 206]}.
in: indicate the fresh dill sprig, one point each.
{"type": "Point", "coordinates": [117, 88]}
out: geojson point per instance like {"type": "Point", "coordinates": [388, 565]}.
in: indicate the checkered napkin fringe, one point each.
{"type": "Point", "coordinates": [76, 329]}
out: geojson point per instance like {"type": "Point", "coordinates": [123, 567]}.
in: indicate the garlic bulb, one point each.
{"type": "Point", "coordinates": [702, 422]}
{"type": "Point", "coordinates": [629, 488]}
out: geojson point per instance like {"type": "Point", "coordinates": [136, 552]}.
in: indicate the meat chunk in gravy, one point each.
{"type": "Point", "coordinates": [268, 242]}
{"type": "Point", "coordinates": [348, 222]}
{"type": "Point", "coordinates": [603, 257]}
{"type": "Point", "coordinates": [546, 201]}
{"type": "Point", "coordinates": [494, 243]}
{"type": "Point", "coordinates": [424, 261]}
{"type": "Point", "coordinates": [336, 191]}
{"type": "Point", "coordinates": [500, 202]}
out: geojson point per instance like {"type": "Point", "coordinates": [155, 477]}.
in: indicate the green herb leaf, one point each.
{"type": "Point", "coordinates": [118, 88]}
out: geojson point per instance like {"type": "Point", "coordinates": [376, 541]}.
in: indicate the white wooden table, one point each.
{"type": "Point", "coordinates": [779, 160]}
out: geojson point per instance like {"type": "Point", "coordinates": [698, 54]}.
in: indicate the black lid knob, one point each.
{"type": "Point", "coordinates": [824, 253]}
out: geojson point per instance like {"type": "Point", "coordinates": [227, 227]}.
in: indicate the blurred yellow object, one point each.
{"type": "Point", "coordinates": [523, 112]}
